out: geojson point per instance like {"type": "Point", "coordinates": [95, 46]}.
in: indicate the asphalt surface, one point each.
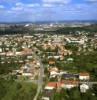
{"type": "Point", "coordinates": [90, 82]}
{"type": "Point", "coordinates": [40, 76]}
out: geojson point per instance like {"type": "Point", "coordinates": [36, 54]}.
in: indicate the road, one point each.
{"type": "Point", "coordinates": [90, 82]}
{"type": "Point", "coordinates": [40, 76]}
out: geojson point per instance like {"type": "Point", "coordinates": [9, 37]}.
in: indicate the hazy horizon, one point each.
{"type": "Point", "coordinates": [48, 22]}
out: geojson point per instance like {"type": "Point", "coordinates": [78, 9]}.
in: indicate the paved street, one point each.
{"type": "Point", "coordinates": [40, 77]}
{"type": "Point", "coordinates": [90, 82]}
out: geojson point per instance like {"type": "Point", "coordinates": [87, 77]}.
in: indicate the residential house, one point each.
{"type": "Point", "coordinates": [51, 62]}
{"type": "Point", "coordinates": [84, 76]}
{"type": "Point", "coordinates": [68, 84]}
{"type": "Point", "coordinates": [84, 88]}
{"type": "Point", "coordinates": [53, 72]}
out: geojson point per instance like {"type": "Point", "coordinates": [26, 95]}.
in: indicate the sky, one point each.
{"type": "Point", "coordinates": [47, 10]}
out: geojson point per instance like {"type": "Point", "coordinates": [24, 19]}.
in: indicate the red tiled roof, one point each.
{"type": "Point", "coordinates": [52, 84]}
{"type": "Point", "coordinates": [51, 62]}
{"type": "Point", "coordinates": [84, 74]}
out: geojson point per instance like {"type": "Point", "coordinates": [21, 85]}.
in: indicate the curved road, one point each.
{"type": "Point", "coordinates": [40, 77]}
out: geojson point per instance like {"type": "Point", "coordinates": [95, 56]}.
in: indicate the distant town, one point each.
{"type": "Point", "coordinates": [48, 61]}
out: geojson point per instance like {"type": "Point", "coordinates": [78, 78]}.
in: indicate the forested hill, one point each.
{"type": "Point", "coordinates": [21, 29]}
{"type": "Point", "coordinates": [90, 28]}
